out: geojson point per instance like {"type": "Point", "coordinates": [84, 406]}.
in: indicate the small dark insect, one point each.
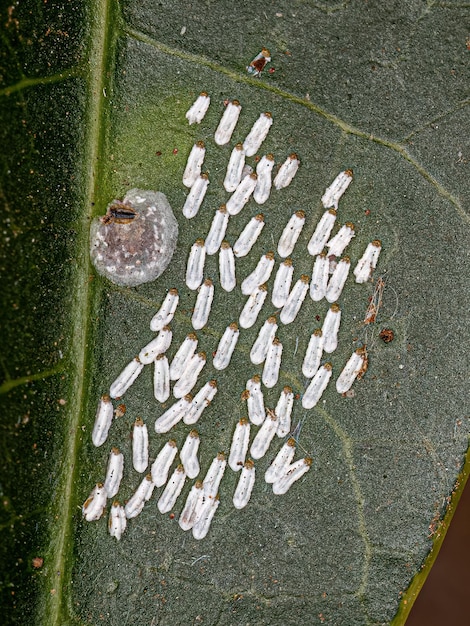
{"type": "Point", "coordinates": [387, 335]}
{"type": "Point", "coordinates": [259, 62]}
{"type": "Point", "coordinates": [119, 213]}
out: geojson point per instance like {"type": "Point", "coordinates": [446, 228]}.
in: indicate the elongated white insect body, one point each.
{"type": "Point", "coordinates": [368, 262]}
{"type": "Point", "coordinates": [157, 346]}
{"type": "Point", "coordinates": [235, 167]}
{"type": "Point", "coordinates": [117, 521]}
{"type": "Point", "coordinates": [126, 378]}
{"type": "Point", "coordinates": [337, 280]}
{"type": "Point", "coordinates": [282, 283]}
{"type": "Point", "coordinates": [283, 411]}
{"type": "Point", "coordinates": [264, 170]}
{"type": "Point", "coordinates": [217, 230]}
{"type": "Point", "coordinates": [258, 64]}
{"type": "Point", "coordinates": [188, 454]}
{"type": "Point", "coordinates": [333, 193]}
{"type": "Point", "coordinates": [194, 163]}
{"type": "Point", "coordinates": [214, 476]}
{"type": "Point", "coordinates": [103, 420]}
{"type": "Point", "coordinates": [322, 232]}
{"type": "Point", "coordinates": [245, 485]}
{"type": "Point", "coordinates": [294, 472]}
{"type": "Point", "coordinates": [172, 490]}
{"type": "Point", "coordinates": [281, 462]}
{"type": "Point", "coordinates": [161, 465]}
{"type": "Point", "coordinates": [226, 346]}
{"type": "Point", "coordinates": [197, 111]}
{"type": "Point", "coordinates": [173, 415]}
{"type": "Point", "coordinates": [189, 376]}
{"type": "Point", "coordinates": [290, 234]}
{"type": "Point", "coordinates": [253, 306]}
{"type": "Point", "coordinates": [247, 238]}
{"type": "Point", "coordinates": [338, 243]}
{"type": "Point", "coordinates": [94, 505]}
{"type": "Point", "coordinates": [203, 522]}
{"type": "Point", "coordinates": [258, 134]}
{"type": "Point", "coordinates": [320, 277]}
{"type": "Point", "coordinates": [259, 275]}
{"type": "Point", "coordinates": [272, 364]}
{"type": "Point", "coordinates": [142, 494]}
{"type": "Point", "coordinates": [114, 472]}
{"type": "Point", "coordinates": [227, 276]}
{"type": "Point", "coordinates": [350, 371]}
{"type": "Point", "coordinates": [265, 435]}
{"type": "Point", "coordinates": [161, 378]}
{"type": "Point", "coordinates": [182, 356]}
{"type": "Point", "coordinates": [265, 338]}
{"type": "Point", "coordinates": [317, 386]}
{"type": "Point", "coordinates": [287, 171]}
{"type": "Point", "coordinates": [330, 328]}
{"type": "Point", "coordinates": [196, 195]}
{"type": "Point", "coordinates": [239, 447]}
{"type": "Point", "coordinates": [203, 305]}
{"type": "Point", "coordinates": [166, 312]}
{"type": "Point", "coordinates": [313, 354]}
{"type": "Point", "coordinates": [227, 123]}
{"type": "Point", "coordinates": [193, 506]}
{"type": "Point", "coordinates": [140, 446]}
{"type": "Point", "coordinates": [201, 400]}
{"type": "Point", "coordinates": [295, 300]}
{"type": "Point", "coordinates": [254, 401]}
{"type": "Point", "coordinates": [242, 194]}
{"type": "Point", "coordinates": [195, 266]}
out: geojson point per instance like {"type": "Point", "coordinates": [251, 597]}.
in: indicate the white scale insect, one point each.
{"type": "Point", "coordinates": [259, 275]}
{"type": "Point", "coordinates": [203, 305]}
{"type": "Point", "coordinates": [272, 364]}
{"type": "Point", "coordinates": [227, 123]}
{"type": "Point", "coordinates": [203, 522]}
{"type": "Point", "coordinates": [189, 376]}
{"type": "Point", "coordinates": [282, 283]}
{"type": "Point", "coordinates": [322, 232]}
{"type": "Point", "coordinates": [283, 411]}
{"type": "Point", "coordinates": [257, 134]}
{"type": "Point", "coordinates": [265, 435]}
{"type": "Point", "coordinates": [340, 241]}
{"type": "Point", "coordinates": [264, 339]}
{"type": "Point", "coordinates": [161, 378]}
{"type": "Point", "coordinates": [239, 447]}
{"type": "Point", "coordinates": [226, 346]}
{"type": "Point", "coordinates": [282, 460]}
{"type": "Point", "coordinates": [317, 386]}
{"type": "Point", "coordinates": [192, 507]}
{"type": "Point", "coordinates": [217, 230]}
{"type": "Point", "coordinates": [245, 485]}
{"type": "Point", "coordinates": [197, 111]}
{"type": "Point", "coordinates": [157, 346]}
{"type": "Point", "coordinates": [351, 370]}
{"type": "Point", "coordinates": [287, 171]}
{"type": "Point", "coordinates": [117, 521]}
{"type": "Point", "coordinates": [254, 401]}
{"type": "Point", "coordinates": [194, 164]}
{"type": "Point", "coordinates": [166, 312]}
{"type": "Point", "coordinates": [195, 196]}
{"type": "Point", "coordinates": [235, 167]}
{"type": "Point", "coordinates": [320, 275]}
{"type": "Point", "coordinates": [330, 328]}
{"type": "Point", "coordinates": [103, 421]}
{"type": "Point", "coordinates": [290, 234]}
{"type": "Point", "coordinates": [227, 276]}
{"type": "Point", "coordinates": [338, 279]}
{"type": "Point", "coordinates": [313, 354]}
{"type": "Point", "coordinates": [294, 472]}
{"type": "Point", "coordinates": [249, 235]}
{"type": "Point", "coordinates": [140, 446]}
{"type": "Point", "coordinates": [201, 400]}
{"type": "Point", "coordinates": [142, 494]}
{"type": "Point", "coordinates": [94, 505]}
{"type": "Point", "coordinates": [172, 490]}
{"type": "Point", "coordinates": [173, 414]}
{"type": "Point", "coordinates": [114, 472]}
{"type": "Point", "coordinates": [295, 300]}
{"type": "Point", "coordinates": [253, 306]}
{"type": "Point", "coordinates": [182, 356]}
{"type": "Point", "coordinates": [264, 171]}
{"type": "Point", "coordinates": [188, 454]}
{"type": "Point", "coordinates": [242, 194]}
{"type": "Point", "coordinates": [163, 462]}
{"type": "Point", "coordinates": [368, 262]}
{"type": "Point", "coordinates": [333, 193]}
{"type": "Point", "coordinates": [258, 64]}
{"type": "Point", "coordinates": [214, 475]}
{"type": "Point", "coordinates": [126, 378]}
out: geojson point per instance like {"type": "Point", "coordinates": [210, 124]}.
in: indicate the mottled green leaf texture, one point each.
{"type": "Point", "coordinates": [93, 97]}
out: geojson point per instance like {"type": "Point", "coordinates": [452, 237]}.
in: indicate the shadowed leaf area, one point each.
{"type": "Point", "coordinates": [93, 105]}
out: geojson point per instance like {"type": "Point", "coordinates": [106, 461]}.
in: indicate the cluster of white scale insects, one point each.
{"type": "Point", "coordinates": [179, 376]}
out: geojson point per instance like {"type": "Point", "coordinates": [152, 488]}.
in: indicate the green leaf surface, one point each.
{"type": "Point", "coordinates": [93, 104]}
